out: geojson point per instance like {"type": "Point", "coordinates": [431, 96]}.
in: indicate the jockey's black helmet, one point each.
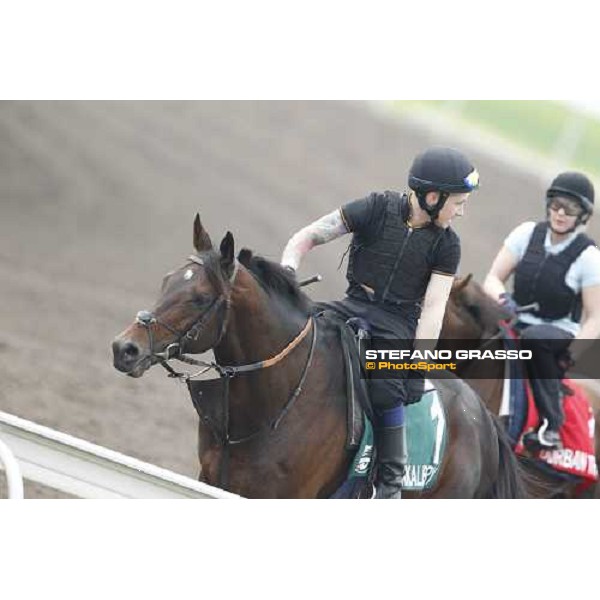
{"type": "Point", "coordinates": [441, 169]}
{"type": "Point", "coordinates": [573, 185]}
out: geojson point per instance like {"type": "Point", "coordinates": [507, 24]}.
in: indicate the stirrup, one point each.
{"type": "Point", "coordinates": [542, 439]}
{"type": "Point", "coordinates": [397, 494]}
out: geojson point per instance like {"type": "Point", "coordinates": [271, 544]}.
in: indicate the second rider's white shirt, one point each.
{"type": "Point", "coordinates": [584, 272]}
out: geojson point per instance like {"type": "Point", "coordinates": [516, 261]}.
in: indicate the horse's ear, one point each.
{"type": "Point", "coordinates": [202, 241]}
{"type": "Point", "coordinates": [245, 256]}
{"type": "Point", "coordinates": [227, 253]}
{"type": "Point", "coordinates": [461, 283]}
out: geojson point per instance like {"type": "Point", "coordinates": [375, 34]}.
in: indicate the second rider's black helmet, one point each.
{"type": "Point", "coordinates": [443, 170]}
{"type": "Point", "coordinates": [573, 185]}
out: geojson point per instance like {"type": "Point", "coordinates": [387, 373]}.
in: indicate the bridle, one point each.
{"type": "Point", "coordinates": [146, 319]}
{"type": "Point", "coordinates": [174, 350]}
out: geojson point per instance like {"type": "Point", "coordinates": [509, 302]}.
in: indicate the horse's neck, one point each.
{"type": "Point", "coordinates": [490, 390]}
{"type": "Point", "coordinates": [258, 326]}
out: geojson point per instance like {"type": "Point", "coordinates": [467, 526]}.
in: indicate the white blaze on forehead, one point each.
{"type": "Point", "coordinates": [188, 274]}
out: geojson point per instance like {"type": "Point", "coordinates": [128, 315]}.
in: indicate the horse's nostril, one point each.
{"type": "Point", "coordinates": [130, 351]}
{"type": "Point", "coordinates": [125, 353]}
{"type": "Point", "coordinates": [128, 356]}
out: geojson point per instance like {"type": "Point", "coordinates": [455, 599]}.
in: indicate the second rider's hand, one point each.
{"type": "Point", "coordinates": [507, 302]}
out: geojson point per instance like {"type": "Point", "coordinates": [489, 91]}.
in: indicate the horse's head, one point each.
{"type": "Point", "coordinates": [470, 312]}
{"type": "Point", "coordinates": [191, 311]}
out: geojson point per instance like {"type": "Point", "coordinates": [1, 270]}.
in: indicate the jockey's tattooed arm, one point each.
{"type": "Point", "coordinates": [323, 230]}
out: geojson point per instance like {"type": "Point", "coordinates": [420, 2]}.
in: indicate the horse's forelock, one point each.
{"type": "Point", "coordinates": [211, 261]}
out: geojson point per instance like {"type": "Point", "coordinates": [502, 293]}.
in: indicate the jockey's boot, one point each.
{"type": "Point", "coordinates": [391, 461]}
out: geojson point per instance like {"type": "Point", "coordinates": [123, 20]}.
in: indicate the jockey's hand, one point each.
{"type": "Point", "coordinates": [507, 302]}
{"type": "Point", "coordinates": [290, 269]}
{"type": "Point", "coordinates": [415, 385]}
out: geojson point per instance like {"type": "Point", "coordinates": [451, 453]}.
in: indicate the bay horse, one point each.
{"type": "Point", "coordinates": [285, 420]}
{"type": "Point", "coordinates": [473, 315]}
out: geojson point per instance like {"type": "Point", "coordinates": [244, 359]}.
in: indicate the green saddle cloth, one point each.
{"type": "Point", "coordinates": [426, 433]}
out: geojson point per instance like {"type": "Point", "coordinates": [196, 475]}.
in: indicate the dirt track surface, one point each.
{"type": "Point", "coordinates": [96, 204]}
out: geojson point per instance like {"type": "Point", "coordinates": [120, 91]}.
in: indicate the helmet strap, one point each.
{"type": "Point", "coordinates": [432, 211]}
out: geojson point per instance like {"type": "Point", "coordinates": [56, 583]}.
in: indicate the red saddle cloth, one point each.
{"type": "Point", "coordinates": [577, 434]}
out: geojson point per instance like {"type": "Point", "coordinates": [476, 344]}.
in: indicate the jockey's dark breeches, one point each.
{"type": "Point", "coordinates": [547, 343]}
{"type": "Point", "coordinates": [385, 325]}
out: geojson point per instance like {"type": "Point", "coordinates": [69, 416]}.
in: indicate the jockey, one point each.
{"type": "Point", "coordinates": [558, 267]}
{"type": "Point", "coordinates": [403, 258]}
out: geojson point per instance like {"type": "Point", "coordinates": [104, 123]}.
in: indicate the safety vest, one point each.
{"type": "Point", "coordinates": [393, 259]}
{"type": "Point", "coordinates": [540, 277]}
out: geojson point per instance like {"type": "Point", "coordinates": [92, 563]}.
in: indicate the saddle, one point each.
{"type": "Point", "coordinates": [354, 336]}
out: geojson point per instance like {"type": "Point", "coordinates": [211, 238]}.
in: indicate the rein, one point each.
{"type": "Point", "coordinates": [503, 326]}
{"type": "Point", "coordinates": [228, 372]}
{"type": "Point", "coordinates": [274, 424]}
{"type": "Point", "coordinates": [494, 338]}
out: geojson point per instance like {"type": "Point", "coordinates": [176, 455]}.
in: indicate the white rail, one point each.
{"type": "Point", "coordinates": [86, 470]}
{"type": "Point", "coordinates": [14, 478]}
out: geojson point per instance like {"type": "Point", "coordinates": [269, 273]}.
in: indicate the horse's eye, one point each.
{"type": "Point", "coordinates": [200, 299]}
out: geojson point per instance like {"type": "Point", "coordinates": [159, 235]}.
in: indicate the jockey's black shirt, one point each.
{"type": "Point", "coordinates": [393, 259]}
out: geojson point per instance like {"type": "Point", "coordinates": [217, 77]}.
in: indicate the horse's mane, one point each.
{"type": "Point", "coordinates": [276, 279]}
